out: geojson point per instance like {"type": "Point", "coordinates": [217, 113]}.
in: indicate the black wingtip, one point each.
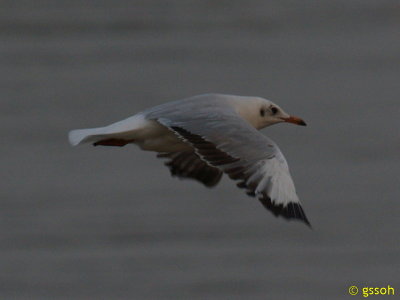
{"type": "Point", "coordinates": [305, 221]}
{"type": "Point", "coordinates": [291, 211]}
{"type": "Point", "coordinates": [299, 214]}
{"type": "Point", "coordinates": [294, 211]}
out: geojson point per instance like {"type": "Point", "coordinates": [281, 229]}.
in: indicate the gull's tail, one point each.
{"type": "Point", "coordinates": [81, 136]}
{"type": "Point", "coordinates": [116, 134]}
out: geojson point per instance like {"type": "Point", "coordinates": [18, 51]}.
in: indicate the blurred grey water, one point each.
{"type": "Point", "coordinates": [110, 223]}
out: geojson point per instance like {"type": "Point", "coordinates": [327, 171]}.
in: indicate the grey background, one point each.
{"type": "Point", "coordinates": [110, 223]}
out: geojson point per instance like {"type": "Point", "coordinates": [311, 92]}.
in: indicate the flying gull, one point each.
{"type": "Point", "coordinates": [207, 135]}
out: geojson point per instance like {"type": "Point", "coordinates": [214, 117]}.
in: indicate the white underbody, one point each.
{"type": "Point", "coordinates": [150, 135]}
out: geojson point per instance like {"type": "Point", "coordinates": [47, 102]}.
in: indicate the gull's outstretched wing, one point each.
{"type": "Point", "coordinates": [188, 164]}
{"type": "Point", "coordinates": [226, 141]}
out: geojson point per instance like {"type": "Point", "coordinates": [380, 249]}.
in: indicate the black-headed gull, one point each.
{"type": "Point", "coordinates": [207, 135]}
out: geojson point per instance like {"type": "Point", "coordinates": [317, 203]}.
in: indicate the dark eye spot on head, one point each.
{"type": "Point", "coordinates": [262, 112]}
{"type": "Point", "coordinates": [274, 110]}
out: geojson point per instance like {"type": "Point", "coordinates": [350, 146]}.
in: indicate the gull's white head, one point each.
{"type": "Point", "coordinates": [261, 113]}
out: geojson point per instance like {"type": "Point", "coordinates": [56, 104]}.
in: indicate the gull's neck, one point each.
{"type": "Point", "coordinates": [248, 110]}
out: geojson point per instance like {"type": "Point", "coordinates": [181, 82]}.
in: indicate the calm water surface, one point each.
{"type": "Point", "coordinates": [110, 223]}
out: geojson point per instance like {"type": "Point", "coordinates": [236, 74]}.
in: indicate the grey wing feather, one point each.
{"type": "Point", "coordinates": [228, 142]}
